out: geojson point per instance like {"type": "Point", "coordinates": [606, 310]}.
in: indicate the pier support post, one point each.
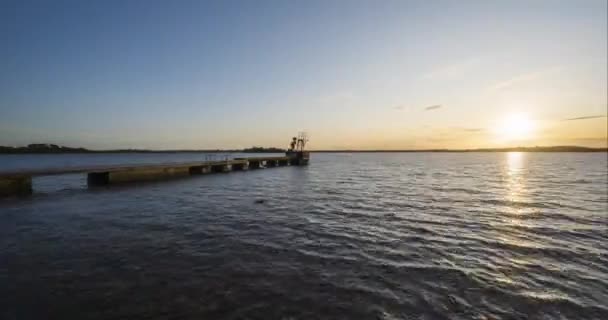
{"type": "Point", "coordinates": [220, 168]}
{"type": "Point", "coordinates": [299, 158]}
{"type": "Point", "coordinates": [199, 170]}
{"type": "Point", "coordinates": [15, 186]}
{"type": "Point", "coordinates": [240, 166]}
{"type": "Point", "coordinates": [271, 163]}
{"type": "Point", "coordinates": [254, 164]}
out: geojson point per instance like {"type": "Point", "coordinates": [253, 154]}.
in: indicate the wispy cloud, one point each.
{"type": "Point", "coordinates": [399, 107]}
{"type": "Point", "coordinates": [434, 107]}
{"type": "Point", "coordinates": [526, 78]}
{"type": "Point", "coordinates": [468, 130]}
{"type": "Point", "coordinates": [585, 117]}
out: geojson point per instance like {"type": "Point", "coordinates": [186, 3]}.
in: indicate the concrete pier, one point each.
{"type": "Point", "coordinates": [20, 182]}
{"type": "Point", "coordinates": [135, 174]}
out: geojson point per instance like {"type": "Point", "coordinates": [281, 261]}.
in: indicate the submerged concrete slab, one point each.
{"type": "Point", "coordinates": [15, 186]}
{"type": "Point", "coordinates": [98, 178]}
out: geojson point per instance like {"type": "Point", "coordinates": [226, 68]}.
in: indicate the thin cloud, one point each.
{"type": "Point", "coordinates": [437, 106]}
{"type": "Point", "coordinates": [517, 80]}
{"type": "Point", "coordinates": [527, 78]}
{"type": "Point", "coordinates": [399, 107]}
{"type": "Point", "coordinates": [469, 130]}
{"type": "Point", "coordinates": [585, 117]}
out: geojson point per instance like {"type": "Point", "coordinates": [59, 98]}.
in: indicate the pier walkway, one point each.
{"type": "Point", "coordinates": [19, 182]}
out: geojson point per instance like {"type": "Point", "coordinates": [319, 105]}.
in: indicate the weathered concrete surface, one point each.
{"type": "Point", "coordinates": [13, 186]}
{"type": "Point", "coordinates": [115, 168]}
{"type": "Point", "coordinates": [147, 174]}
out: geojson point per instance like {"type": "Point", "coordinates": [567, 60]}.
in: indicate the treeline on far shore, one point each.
{"type": "Point", "coordinates": [53, 148]}
{"type": "Point", "coordinates": [42, 148]}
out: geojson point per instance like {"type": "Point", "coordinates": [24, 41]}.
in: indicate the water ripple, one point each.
{"type": "Point", "coordinates": [365, 236]}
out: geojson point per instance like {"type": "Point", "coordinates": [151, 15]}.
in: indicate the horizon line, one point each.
{"type": "Point", "coordinates": [63, 149]}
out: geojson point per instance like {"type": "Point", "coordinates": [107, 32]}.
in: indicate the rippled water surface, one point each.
{"type": "Point", "coordinates": [351, 236]}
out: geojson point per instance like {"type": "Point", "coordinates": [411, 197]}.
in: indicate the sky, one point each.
{"type": "Point", "coordinates": [352, 74]}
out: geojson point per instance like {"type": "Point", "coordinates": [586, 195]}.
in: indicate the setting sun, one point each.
{"type": "Point", "coordinates": [516, 126]}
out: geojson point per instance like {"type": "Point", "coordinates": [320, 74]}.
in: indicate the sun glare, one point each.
{"type": "Point", "coordinates": [515, 127]}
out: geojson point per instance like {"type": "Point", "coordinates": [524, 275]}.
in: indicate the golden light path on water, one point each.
{"type": "Point", "coordinates": [514, 181]}
{"type": "Point", "coordinates": [515, 172]}
{"type": "Point", "coordinates": [517, 194]}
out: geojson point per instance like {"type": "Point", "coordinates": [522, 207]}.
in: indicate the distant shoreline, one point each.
{"type": "Point", "coordinates": [54, 149]}
{"type": "Point", "coordinates": [515, 149]}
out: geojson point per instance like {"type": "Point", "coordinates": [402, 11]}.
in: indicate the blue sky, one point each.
{"type": "Point", "coordinates": [354, 74]}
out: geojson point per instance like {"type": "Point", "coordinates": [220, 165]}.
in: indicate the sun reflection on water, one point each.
{"type": "Point", "coordinates": [515, 197]}
{"type": "Point", "coordinates": [515, 173]}
{"type": "Point", "coordinates": [515, 194]}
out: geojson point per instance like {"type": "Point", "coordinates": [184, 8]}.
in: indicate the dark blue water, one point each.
{"type": "Point", "coordinates": [361, 236]}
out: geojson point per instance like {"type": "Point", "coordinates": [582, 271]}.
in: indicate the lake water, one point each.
{"type": "Point", "coordinates": [351, 236]}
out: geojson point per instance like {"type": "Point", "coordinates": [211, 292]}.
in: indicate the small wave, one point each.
{"type": "Point", "coordinates": [458, 190]}
{"type": "Point", "coordinates": [516, 204]}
